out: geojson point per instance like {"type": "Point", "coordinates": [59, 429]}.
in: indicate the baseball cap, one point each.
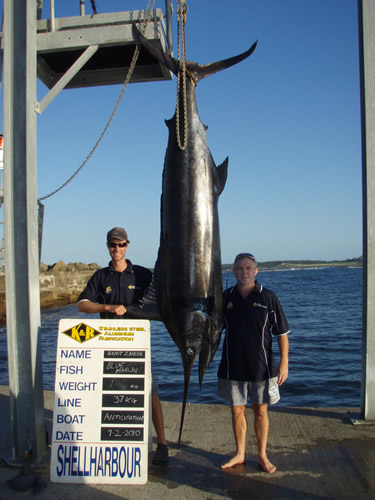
{"type": "Point", "coordinates": [117, 233]}
{"type": "Point", "coordinates": [245, 255]}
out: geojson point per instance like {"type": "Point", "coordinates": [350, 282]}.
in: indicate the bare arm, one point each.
{"type": "Point", "coordinates": [86, 306]}
{"type": "Point", "coordinates": [282, 369]}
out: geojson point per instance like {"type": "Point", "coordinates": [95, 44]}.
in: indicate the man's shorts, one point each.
{"type": "Point", "coordinates": [237, 392]}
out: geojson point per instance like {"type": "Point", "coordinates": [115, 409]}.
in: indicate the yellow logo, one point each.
{"type": "Point", "coordinates": [108, 289]}
{"type": "Point", "coordinates": [81, 333]}
{"type": "Point", "coordinates": [230, 305]}
{"type": "Point", "coordinates": [255, 304]}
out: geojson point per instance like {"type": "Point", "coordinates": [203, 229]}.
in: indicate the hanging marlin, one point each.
{"type": "Point", "coordinates": [188, 277]}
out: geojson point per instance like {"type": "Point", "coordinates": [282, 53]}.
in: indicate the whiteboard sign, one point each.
{"type": "Point", "coordinates": [102, 402]}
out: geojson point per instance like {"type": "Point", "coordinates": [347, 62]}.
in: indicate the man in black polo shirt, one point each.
{"type": "Point", "coordinates": [108, 292]}
{"type": "Point", "coordinates": [246, 369]}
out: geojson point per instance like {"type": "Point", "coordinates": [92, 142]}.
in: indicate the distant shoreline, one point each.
{"type": "Point", "coordinates": [278, 265]}
{"type": "Point", "coordinates": [61, 284]}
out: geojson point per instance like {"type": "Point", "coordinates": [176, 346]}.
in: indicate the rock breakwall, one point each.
{"type": "Point", "coordinates": [60, 284]}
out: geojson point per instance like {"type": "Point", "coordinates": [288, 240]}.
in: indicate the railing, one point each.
{"type": "Point", "coordinates": [168, 17]}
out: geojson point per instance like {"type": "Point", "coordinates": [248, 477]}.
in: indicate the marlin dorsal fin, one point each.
{"type": "Point", "coordinates": [222, 171]}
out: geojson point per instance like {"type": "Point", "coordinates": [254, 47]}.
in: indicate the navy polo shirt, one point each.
{"type": "Point", "coordinates": [250, 323]}
{"type": "Point", "coordinates": [108, 286]}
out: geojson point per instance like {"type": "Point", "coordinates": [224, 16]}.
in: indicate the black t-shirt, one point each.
{"type": "Point", "coordinates": [108, 286]}
{"type": "Point", "coordinates": [247, 349]}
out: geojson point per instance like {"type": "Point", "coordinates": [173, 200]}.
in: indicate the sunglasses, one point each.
{"type": "Point", "coordinates": [124, 244]}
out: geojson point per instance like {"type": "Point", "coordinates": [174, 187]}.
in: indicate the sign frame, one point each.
{"type": "Point", "coordinates": [102, 410]}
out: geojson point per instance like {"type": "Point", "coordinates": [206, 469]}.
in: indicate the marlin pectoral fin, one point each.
{"type": "Point", "coordinates": [205, 357]}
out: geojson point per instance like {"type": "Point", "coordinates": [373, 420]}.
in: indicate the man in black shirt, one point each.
{"type": "Point", "coordinates": [108, 292]}
{"type": "Point", "coordinates": [246, 369]}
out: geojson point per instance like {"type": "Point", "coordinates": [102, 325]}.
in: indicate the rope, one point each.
{"type": "Point", "coordinates": [147, 18]}
{"type": "Point", "coordinates": [93, 6]}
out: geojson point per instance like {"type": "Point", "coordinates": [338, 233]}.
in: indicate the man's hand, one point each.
{"type": "Point", "coordinates": [282, 372]}
{"type": "Point", "coordinates": [282, 369]}
{"type": "Point", "coordinates": [119, 310]}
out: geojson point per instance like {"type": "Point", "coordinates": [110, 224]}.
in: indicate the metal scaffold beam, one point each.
{"type": "Point", "coordinates": [21, 231]}
{"type": "Point", "coordinates": [366, 12]}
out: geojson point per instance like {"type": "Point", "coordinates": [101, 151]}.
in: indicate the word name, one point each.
{"type": "Point", "coordinates": [71, 353]}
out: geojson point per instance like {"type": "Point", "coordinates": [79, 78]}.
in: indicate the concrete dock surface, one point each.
{"type": "Point", "coordinates": [318, 452]}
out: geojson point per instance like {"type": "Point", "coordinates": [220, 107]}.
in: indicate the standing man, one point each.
{"type": "Point", "coordinates": [108, 292]}
{"type": "Point", "coordinates": [246, 369]}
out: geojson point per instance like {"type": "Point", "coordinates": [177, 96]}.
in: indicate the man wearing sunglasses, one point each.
{"type": "Point", "coordinates": [107, 293]}
{"type": "Point", "coordinates": [252, 314]}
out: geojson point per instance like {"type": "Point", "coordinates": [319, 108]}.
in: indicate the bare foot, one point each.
{"type": "Point", "coordinates": [238, 459]}
{"type": "Point", "coordinates": [266, 465]}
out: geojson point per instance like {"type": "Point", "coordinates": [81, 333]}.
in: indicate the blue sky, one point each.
{"type": "Point", "coordinates": [288, 118]}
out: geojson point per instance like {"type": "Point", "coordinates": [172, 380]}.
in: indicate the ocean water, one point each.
{"type": "Point", "coordinates": [324, 310]}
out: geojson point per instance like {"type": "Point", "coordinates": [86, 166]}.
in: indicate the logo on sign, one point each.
{"type": "Point", "coordinates": [81, 333]}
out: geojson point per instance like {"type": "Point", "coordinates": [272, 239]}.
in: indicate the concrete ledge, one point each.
{"type": "Point", "coordinates": [318, 452]}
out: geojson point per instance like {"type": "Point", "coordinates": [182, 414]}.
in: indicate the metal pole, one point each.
{"type": "Point", "coordinates": [366, 15]}
{"type": "Point", "coordinates": [52, 9]}
{"type": "Point", "coordinates": [168, 12]}
{"type": "Point", "coordinates": [21, 231]}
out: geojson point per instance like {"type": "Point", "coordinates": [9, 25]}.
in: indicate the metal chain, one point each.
{"type": "Point", "coordinates": [143, 24]}
{"type": "Point", "coordinates": [181, 22]}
